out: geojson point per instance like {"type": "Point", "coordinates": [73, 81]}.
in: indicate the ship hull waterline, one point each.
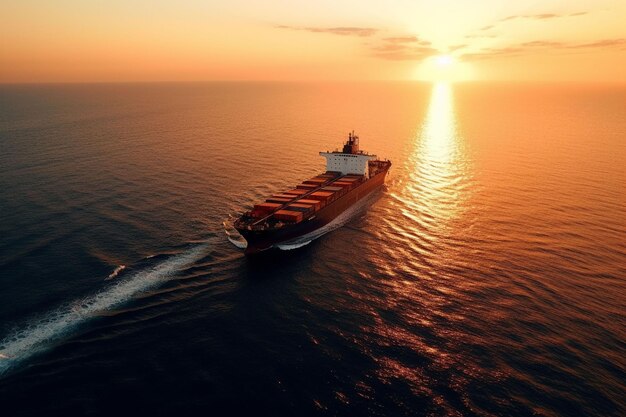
{"type": "Point", "coordinates": [261, 240]}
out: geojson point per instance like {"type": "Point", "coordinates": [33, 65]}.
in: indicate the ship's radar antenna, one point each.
{"type": "Point", "coordinates": [352, 144]}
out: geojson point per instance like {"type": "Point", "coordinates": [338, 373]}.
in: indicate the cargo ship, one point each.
{"type": "Point", "coordinates": [304, 211]}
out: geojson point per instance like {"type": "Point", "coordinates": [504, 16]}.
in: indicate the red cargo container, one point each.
{"type": "Point", "coordinates": [278, 200]}
{"type": "Point", "coordinates": [307, 186]}
{"type": "Point", "coordinates": [287, 196]}
{"type": "Point", "coordinates": [266, 206]}
{"type": "Point", "coordinates": [288, 216]}
{"type": "Point", "coordinates": [296, 192]}
{"type": "Point", "coordinates": [315, 203]}
{"type": "Point", "coordinates": [263, 209]}
{"type": "Point", "coordinates": [304, 208]}
{"type": "Point", "coordinates": [316, 181]}
{"type": "Point", "coordinates": [302, 205]}
{"type": "Point", "coordinates": [321, 195]}
{"type": "Point", "coordinates": [332, 189]}
{"type": "Point", "coordinates": [343, 184]}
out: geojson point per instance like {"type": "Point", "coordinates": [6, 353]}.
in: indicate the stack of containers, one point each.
{"type": "Point", "coordinates": [278, 200]}
{"type": "Point", "coordinates": [263, 209]}
{"type": "Point", "coordinates": [288, 216]}
{"type": "Point", "coordinates": [297, 192]}
{"type": "Point", "coordinates": [316, 181]}
{"type": "Point", "coordinates": [305, 209]}
{"type": "Point", "coordinates": [345, 184]}
{"type": "Point", "coordinates": [287, 196]}
{"type": "Point", "coordinates": [323, 196]}
{"type": "Point", "coordinates": [354, 180]}
{"type": "Point", "coordinates": [307, 186]}
{"type": "Point", "coordinates": [316, 204]}
{"type": "Point", "coordinates": [338, 191]}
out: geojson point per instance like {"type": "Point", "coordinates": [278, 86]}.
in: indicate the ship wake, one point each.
{"type": "Point", "coordinates": [232, 234]}
{"type": "Point", "coordinates": [39, 334]}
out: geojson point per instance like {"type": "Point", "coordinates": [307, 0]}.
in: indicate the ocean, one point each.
{"type": "Point", "coordinates": [487, 278]}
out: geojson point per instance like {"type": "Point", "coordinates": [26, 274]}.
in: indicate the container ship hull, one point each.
{"type": "Point", "coordinates": [301, 213]}
{"type": "Point", "coordinates": [260, 240]}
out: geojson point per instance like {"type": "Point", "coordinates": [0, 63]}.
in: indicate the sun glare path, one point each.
{"type": "Point", "coordinates": [438, 168]}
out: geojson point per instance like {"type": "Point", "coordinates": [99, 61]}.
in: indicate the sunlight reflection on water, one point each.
{"type": "Point", "coordinates": [437, 167]}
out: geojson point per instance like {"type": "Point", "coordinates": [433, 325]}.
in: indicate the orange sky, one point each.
{"type": "Point", "coordinates": [186, 40]}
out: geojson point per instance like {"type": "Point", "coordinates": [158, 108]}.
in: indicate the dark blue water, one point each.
{"type": "Point", "coordinates": [488, 278]}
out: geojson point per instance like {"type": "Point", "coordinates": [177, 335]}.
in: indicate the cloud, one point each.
{"type": "Point", "coordinates": [541, 16]}
{"type": "Point", "coordinates": [408, 48]}
{"type": "Point", "coordinates": [403, 48]}
{"type": "Point", "coordinates": [402, 39]}
{"type": "Point", "coordinates": [603, 43]}
{"type": "Point", "coordinates": [620, 43]}
{"type": "Point", "coordinates": [342, 30]}
{"type": "Point", "coordinates": [543, 45]}
{"type": "Point", "coordinates": [456, 47]}
{"type": "Point", "coordinates": [488, 53]}
{"type": "Point", "coordinates": [537, 16]}
{"type": "Point", "coordinates": [407, 40]}
{"type": "Point", "coordinates": [394, 48]}
{"type": "Point", "coordinates": [405, 54]}
{"type": "Point", "coordinates": [389, 47]}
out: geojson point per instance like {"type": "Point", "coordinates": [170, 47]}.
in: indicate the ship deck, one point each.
{"type": "Point", "coordinates": [304, 201]}
{"type": "Point", "coordinates": [308, 195]}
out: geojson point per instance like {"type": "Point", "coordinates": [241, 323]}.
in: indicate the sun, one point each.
{"type": "Point", "coordinates": [444, 60]}
{"type": "Point", "coordinates": [444, 67]}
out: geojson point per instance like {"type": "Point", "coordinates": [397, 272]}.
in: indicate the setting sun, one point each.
{"type": "Point", "coordinates": [444, 68]}
{"type": "Point", "coordinates": [444, 60]}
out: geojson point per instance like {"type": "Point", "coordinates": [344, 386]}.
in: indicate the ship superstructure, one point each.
{"type": "Point", "coordinates": [350, 176]}
{"type": "Point", "coordinates": [350, 161]}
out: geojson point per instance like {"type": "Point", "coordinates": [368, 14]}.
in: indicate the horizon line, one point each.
{"type": "Point", "coordinates": [251, 81]}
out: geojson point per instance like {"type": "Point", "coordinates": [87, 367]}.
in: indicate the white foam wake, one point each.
{"type": "Point", "coordinates": [240, 243]}
{"type": "Point", "coordinates": [233, 235]}
{"type": "Point", "coordinates": [36, 335]}
{"type": "Point", "coordinates": [292, 246]}
{"type": "Point", "coordinates": [116, 272]}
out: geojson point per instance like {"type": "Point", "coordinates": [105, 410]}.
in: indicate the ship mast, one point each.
{"type": "Point", "coordinates": [352, 145]}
